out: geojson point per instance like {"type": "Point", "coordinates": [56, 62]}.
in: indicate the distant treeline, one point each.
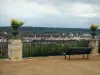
{"type": "Point", "coordinates": [31, 30]}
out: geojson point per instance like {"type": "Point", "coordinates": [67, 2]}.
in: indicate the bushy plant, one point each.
{"type": "Point", "coordinates": [15, 24]}
{"type": "Point", "coordinates": [52, 49]}
{"type": "Point", "coordinates": [93, 27]}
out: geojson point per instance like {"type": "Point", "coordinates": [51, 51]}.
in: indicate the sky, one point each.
{"type": "Point", "coordinates": [51, 13]}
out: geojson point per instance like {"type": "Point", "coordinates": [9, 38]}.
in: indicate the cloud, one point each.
{"type": "Point", "coordinates": [54, 13]}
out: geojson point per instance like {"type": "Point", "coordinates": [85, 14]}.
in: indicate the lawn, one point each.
{"type": "Point", "coordinates": [52, 65]}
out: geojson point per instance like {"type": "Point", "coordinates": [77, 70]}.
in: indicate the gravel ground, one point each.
{"type": "Point", "coordinates": [52, 65]}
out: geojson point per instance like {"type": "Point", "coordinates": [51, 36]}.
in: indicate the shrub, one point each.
{"type": "Point", "coordinates": [30, 49]}
{"type": "Point", "coordinates": [93, 27]}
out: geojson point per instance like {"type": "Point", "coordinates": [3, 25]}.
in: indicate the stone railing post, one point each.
{"type": "Point", "coordinates": [15, 49]}
{"type": "Point", "coordinates": [94, 44]}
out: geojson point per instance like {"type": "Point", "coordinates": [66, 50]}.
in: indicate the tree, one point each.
{"type": "Point", "coordinates": [15, 24]}
{"type": "Point", "coordinates": [93, 30]}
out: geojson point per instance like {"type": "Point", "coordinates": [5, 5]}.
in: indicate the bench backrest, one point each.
{"type": "Point", "coordinates": [79, 50]}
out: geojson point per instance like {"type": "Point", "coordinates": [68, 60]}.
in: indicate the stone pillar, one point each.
{"type": "Point", "coordinates": [15, 49]}
{"type": "Point", "coordinates": [94, 44]}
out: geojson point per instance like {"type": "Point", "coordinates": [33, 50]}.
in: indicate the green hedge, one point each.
{"type": "Point", "coordinates": [31, 49]}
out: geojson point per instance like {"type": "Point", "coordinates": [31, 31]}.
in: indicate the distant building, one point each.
{"type": "Point", "coordinates": [3, 37]}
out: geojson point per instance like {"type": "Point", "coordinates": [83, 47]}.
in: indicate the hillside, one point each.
{"type": "Point", "coordinates": [31, 30]}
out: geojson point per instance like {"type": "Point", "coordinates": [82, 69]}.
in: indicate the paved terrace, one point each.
{"type": "Point", "coordinates": [52, 65]}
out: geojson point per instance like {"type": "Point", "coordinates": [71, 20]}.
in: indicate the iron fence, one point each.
{"type": "Point", "coordinates": [99, 46]}
{"type": "Point", "coordinates": [44, 47]}
{"type": "Point", "coordinates": [3, 49]}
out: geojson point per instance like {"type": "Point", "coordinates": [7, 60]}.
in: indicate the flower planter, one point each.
{"type": "Point", "coordinates": [15, 27]}
{"type": "Point", "coordinates": [93, 29]}
{"type": "Point", "coordinates": [15, 33]}
{"type": "Point", "coordinates": [15, 30]}
{"type": "Point", "coordinates": [15, 24]}
{"type": "Point", "coordinates": [93, 35]}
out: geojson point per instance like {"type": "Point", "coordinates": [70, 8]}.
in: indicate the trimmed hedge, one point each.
{"type": "Point", "coordinates": [50, 49]}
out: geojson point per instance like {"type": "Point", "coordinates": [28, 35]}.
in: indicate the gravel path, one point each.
{"type": "Point", "coordinates": [53, 65]}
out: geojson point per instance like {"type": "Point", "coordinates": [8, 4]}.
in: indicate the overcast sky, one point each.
{"type": "Point", "coordinates": [51, 13]}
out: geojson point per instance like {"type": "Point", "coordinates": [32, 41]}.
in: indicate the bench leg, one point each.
{"type": "Point", "coordinates": [65, 56]}
{"type": "Point", "coordinates": [87, 56]}
{"type": "Point", "coordinates": [69, 57]}
{"type": "Point", "coordinates": [83, 56]}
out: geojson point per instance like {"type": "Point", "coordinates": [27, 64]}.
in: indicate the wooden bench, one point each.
{"type": "Point", "coordinates": [78, 51]}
